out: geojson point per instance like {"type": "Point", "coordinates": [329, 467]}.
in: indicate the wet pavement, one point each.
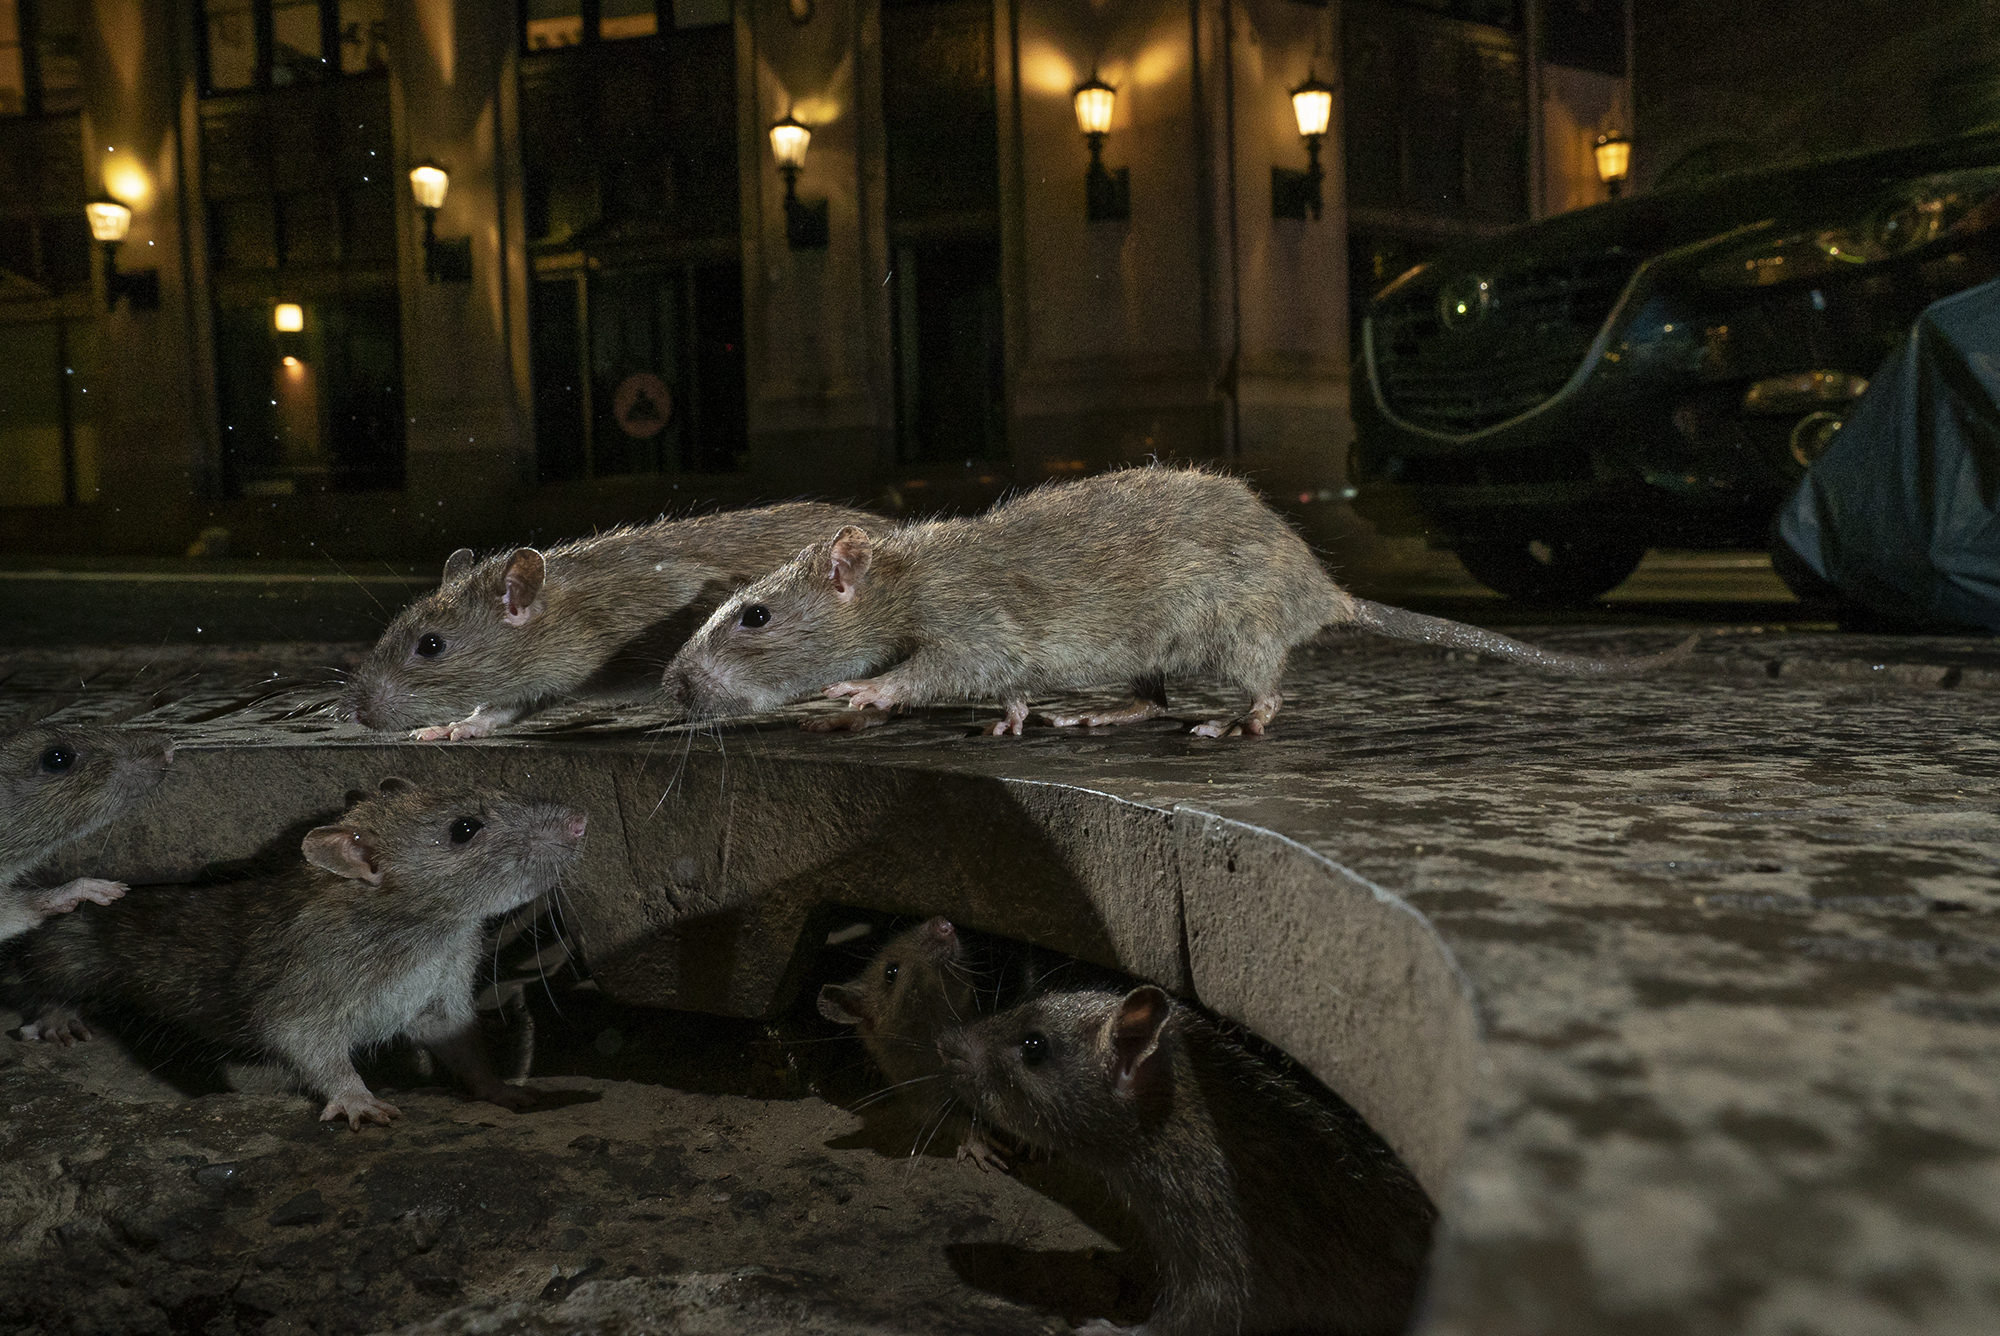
{"type": "Point", "coordinates": [1731, 938]}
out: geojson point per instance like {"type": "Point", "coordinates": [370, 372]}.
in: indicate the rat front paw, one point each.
{"type": "Point", "coordinates": [358, 1108]}
{"type": "Point", "coordinates": [865, 695]}
{"type": "Point", "coordinates": [981, 1152]}
{"type": "Point", "coordinates": [461, 730]}
{"type": "Point", "coordinates": [57, 1025]}
{"type": "Point", "coordinates": [71, 894]}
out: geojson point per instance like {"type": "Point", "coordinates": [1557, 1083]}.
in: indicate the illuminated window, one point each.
{"type": "Point", "coordinates": [280, 43]}
{"type": "Point", "coordinates": [551, 25]}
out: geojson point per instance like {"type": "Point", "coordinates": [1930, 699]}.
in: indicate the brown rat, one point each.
{"type": "Point", "coordinates": [921, 981]}
{"type": "Point", "coordinates": [378, 935]}
{"type": "Point", "coordinates": [59, 783]}
{"type": "Point", "coordinates": [1137, 576]}
{"type": "Point", "coordinates": [507, 635]}
{"type": "Point", "coordinates": [1266, 1209]}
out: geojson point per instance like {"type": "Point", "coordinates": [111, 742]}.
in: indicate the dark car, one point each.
{"type": "Point", "coordinates": [1657, 371]}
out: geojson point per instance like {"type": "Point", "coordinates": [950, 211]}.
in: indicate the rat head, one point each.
{"type": "Point", "coordinates": [916, 984]}
{"type": "Point", "coordinates": [60, 782]}
{"type": "Point", "coordinates": [460, 855]}
{"type": "Point", "coordinates": [824, 617]}
{"type": "Point", "coordinates": [457, 648]}
{"type": "Point", "coordinates": [1083, 1072]}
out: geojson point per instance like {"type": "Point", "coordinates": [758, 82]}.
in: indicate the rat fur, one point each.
{"type": "Point", "coordinates": [59, 783]}
{"type": "Point", "coordinates": [1266, 1208]}
{"type": "Point", "coordinates": [1137, 575]}
{"type": "Point", "coordinates": [504, 636]}
{"type": "Point", "coordinates": [379, 934]}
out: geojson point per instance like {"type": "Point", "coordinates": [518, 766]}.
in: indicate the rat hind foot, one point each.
{"type": "Point", "coordinates": [57, 1025]}
{"type": "Point", "coordinates": [71, 894]}
{"type": "Point", "coordinates": [1014, 721]}
{"type": "Point", "coordinates": [357, 1107]}
{"type": "Point", "coordinates": [1250, 725]}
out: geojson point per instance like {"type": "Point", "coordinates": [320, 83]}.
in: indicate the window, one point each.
{"type": "Point", "coordinates": [551, 25]}
{"type": "Point", "coordinates": [41, 58]}
{"type": "Point", "coordinates": [48, 440]}
{"type": "Point", "coordinates": [247, 44]}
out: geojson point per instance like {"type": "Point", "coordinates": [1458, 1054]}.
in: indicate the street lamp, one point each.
{"type": "Point", "coordinates": [449, 260]}
{"type": "Point", "coordinates": [1107, 193]}
{"type": "Point", "coordinates": [1294, 193]}
{"type": "Point", "coordinates": [288, 317]}
{"type": "Point", "coordinates": [1614, 159]}
{"type": "Point", "coordinates": [805, 219]}
{"type": "Point", "coordinates": [109, 222]}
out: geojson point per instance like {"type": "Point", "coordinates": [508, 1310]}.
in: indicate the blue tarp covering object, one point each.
{"type": "Point", "coordinates": [1901, 514]}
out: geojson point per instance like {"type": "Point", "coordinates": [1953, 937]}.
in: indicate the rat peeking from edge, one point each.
{"type": "Point", "coordinates": [1136, 576]}
{"type": "Point", "coordinates": [59, 783]}
{"type": "Point", "coordinates": [379, 935]}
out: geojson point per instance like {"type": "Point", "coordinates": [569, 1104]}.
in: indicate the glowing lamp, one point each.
{"type": "Point", "coordinates": [288, 318]}
{"type": "Point", "coordinates": [109, 220]}
{"type": "Point", "coordinates": [789, 141]}
{"type": "Point", "coordinates": [1094, 104]}
{"type": "Point", "coordinates": [1107, 193]}
{"type": "Point", "coordinates": [428, 182]}
{"type": "Point", "coordinates": [1312, 106]}
{"type": "Point", "coordinates": [1614, 159]}
{"type": "Point", "coordinates": [806, 226]}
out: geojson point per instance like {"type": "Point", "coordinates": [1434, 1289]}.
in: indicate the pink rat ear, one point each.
{"type": "Point", "coordinates": [1135, 1040]}
{"type": "Point", "coordinates": [848, 562]}
{"type": "Point", "coordinates": [521, 586]}
{"type": "Point", "coordinates": [343, 851]}
{"type": "Point", "coordinates": [457, 564]}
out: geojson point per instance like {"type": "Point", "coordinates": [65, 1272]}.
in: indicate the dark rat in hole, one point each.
{"type": "Point", "coordinates": [58, 784]}
{"type": "Point", "coordinates": [1137, 576]}
{"type": "Point", "coordinates": [1267, 1209]}
{"type": "Point", "coordinates": [378, 934]}
{"type": "Point", "coordinates": [510, 634]}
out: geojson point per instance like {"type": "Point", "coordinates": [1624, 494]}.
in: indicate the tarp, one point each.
{"type": "Point", "coordinates": [1901, 514]}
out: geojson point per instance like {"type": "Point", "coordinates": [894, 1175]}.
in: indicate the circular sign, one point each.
{"type": "Point", "coordinates": [642, 405]}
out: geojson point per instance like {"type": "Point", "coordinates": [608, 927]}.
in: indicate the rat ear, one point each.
{"type": "Point", "coordinates": [457, 564]}
{"type": "Point", "coordinates": [521, 586]}
{"type": "Point", "coordinates": [356, 796]}
{"type": "Point", "coordinates": [843, 1005]}
{"type": "Point", "coordinates": [397, 784]}
{"type": "Point", "coordinates": [848, 562]}
{"type": "Point", "coordinates": [343, 851]}
{"type": "Point", "coordinates": [1135, 1039]}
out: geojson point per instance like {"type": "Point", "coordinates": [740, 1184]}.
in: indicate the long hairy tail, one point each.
{"type": "Point", "coordinates": [1402, 624]}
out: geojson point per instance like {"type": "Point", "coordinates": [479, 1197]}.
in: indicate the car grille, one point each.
{"type": "Point", "coordinates": [1539, 322]}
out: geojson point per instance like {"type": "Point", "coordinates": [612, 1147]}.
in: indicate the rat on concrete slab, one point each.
{"type": "Point", "coordinates": [379, 934]}
{"type": "Point", "coordinates": [1137, 576]}
{"type": "Point", "coordinates": [58, 784]}
{"type": "Point", "coordinates": [1266, 1208]}
{"type": "Point", "coordinates": [923, 980]}
{"type": "Point", "coordinates": [510, 634]}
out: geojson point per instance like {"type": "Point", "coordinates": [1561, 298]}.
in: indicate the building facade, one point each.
{"type": "Point", "coordinates": [624, 304]}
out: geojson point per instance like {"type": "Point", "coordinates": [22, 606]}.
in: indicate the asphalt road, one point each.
{"type": "Point", "coordinates": [195, 602]}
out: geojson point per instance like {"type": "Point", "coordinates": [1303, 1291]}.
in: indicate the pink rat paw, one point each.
{"type": "Point", "coordinates": [71, 894]}
{"type": "Point", "coordinates": [462, 730]}
{"type": "Point", "coordinates": [359, 1107]}
{"type": "Point", "coordinates": [981, 1152]}
{"type": "Point", "coordinates": [871, 695]}
{"type": "Point", "coordinates": [57, 1025]}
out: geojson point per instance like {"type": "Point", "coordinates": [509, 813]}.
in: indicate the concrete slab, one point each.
{"type": "Point", "coordinates": [1681, 995]}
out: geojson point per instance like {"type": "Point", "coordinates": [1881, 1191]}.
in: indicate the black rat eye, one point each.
{"type": "Point", "coordinates": [890, 971]}
{"type": "Point", "coordinates": [57, 760]}
{"type": "Point", "coordinates": [431, 645]}
{"type": "Point", "coordinates": [464, 829]}
{"type": "Point", "coordinates": [1034, 1049]}
{"type": "Point", "coordinates": [754, 616]}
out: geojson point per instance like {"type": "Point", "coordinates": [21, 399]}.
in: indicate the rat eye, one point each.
{"type": "Point", "coordinates": [890, 971]}
{"type": "Point", "coordinates": [1034, 1049]}
{"type": "Point", "coordinates": [431, 645]}
{"type": "Point", "coordinates": [754, 616]}
{"type": "Point", "coordinates": [464, 829]}
{"type": "Point", "coordinates": [57, 760]}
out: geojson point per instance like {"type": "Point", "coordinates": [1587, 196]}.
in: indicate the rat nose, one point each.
{"type": "Point", "coordinates": [576, 824]}
{"type": "Point", "coordinates": [941, 929]}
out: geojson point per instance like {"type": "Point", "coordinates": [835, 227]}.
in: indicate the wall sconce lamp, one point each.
{"type": "Point", "coordinates": [109, 222]}
{"type": "Point", "coordinates": [1294, 193]}
{"type": "Point", "coordinates": [1614, 159]}
{"type": "Point", "coordinates": [449, 260]}
{"type": "Point", "coordinates": [1107, 193]}
{"type": "Point", "coordinates": [805, 219]}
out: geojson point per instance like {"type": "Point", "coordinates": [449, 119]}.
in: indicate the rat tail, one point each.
{"type": "Point", "coordinates": [1401, 624]}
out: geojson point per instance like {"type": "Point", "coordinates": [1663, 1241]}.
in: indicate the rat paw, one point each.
{"type": "Point", "coordinates": [71, 894]}
{"type": "Point", "coordinates": [981, 1152]}
{"type": "Point", "coordinates": [850, 722]}
{"type": "Point", "coordinates": [359, 1107]}
{"type": "Point", "coordinates": [460, 730]}
{"type": "Point", "coordinates": [1249, 726]}
{"type": "Point", "coordinates": [864, 695]}
{"type": "Point", "coordinates": [57, 1025]}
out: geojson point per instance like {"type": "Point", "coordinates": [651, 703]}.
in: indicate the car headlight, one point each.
{"type": "Point", "coordinates": [1920, 213]}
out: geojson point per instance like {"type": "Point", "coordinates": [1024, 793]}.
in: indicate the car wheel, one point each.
{"type": "Point", "coordinates": [1551, 572]}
